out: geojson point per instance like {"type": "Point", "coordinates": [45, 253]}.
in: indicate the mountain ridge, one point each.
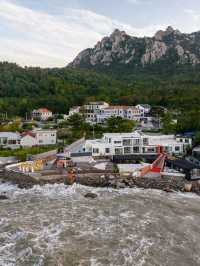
{"type": "Point", "coordinates": [122, 49]}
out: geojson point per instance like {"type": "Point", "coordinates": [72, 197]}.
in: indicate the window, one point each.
{"type": "Point", "coordinates": [95, 150]}
{"type": "Point", "coordinates": [168, 149]}
{"type": "Point", "coordinates": [136, 149]}
{"type": "Point", "coordinates": [12, 141]}
{"type": "Point", "coordinates": [127, 150]}
{"type": "Point", "coordinates": [117, 142]}
{"type": "Point", "coordinates": [4, 141]}
{"type": "Point", "coordinates": [136, 141]}
{"type": "Point", "coordinates": [118, 151]}
{"type": "Point", "coordinates": [146, 141]}
{"type": "Point", "coordinates": [177, 148]}
{"type": "Point", "coordinates": [109, 140]}
{"type": "Point", "coordinates": [151, 150]}
{"type": "Point", "coordinates": [107, 150]}
{"type": "Point", "coordinates": [127, 142]}
{"type": "Point", "coordinates": [186, 140]}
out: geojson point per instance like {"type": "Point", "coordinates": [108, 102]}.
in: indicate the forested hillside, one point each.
{"type": "Point", "coordinates": [22, 89]}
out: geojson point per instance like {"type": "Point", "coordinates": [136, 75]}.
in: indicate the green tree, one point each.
{"type": "Point", "coordinates": [118, 124]}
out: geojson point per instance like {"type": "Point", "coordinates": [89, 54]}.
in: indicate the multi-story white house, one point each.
{"type": "Point", "coordinates": [41, 114]}
{"type": "Point", "coordinates": [37, 137]}
{"type": "Point", "coordinates": [134, 113]}
{"type": "Point", "coordinates": [45, 136]}
{"type": "Point", "coordinates": [136, 143]}
{"type": "Point", "coordinates": [99, 112]}
{"type": "Point", "coordinates": [92, 109]}
{"type": "Point", "coordinates": [10, 140]}
{"type": "Point", "coordinates": [126, 112]}
{"type": "Point", "coordinates": [28, 139]}
{"type": "Point", "coordinates": [110, 111]}
{"type": "Point", "coordinates": [144, 108]}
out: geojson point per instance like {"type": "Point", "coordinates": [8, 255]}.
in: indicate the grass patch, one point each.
{"type": "Point", "coordinates": [21, 154]}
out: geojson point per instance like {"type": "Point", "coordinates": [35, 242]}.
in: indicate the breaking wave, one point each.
{"type": "Point", "coordinates": [57, 225]}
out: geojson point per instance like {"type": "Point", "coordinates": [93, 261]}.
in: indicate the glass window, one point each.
{"type": "Point", "coordinates": [107, 150]}
{"type": "Point", "coordinates": [117, 142]}
{"type": "Point", "coordinates": [151, 150]}
{"type": "Point", "coordinates": [136, 149]}
{"type": "Point", "coordinates": [136, 141]}
{"type": "Point", "coordinates": [127, 150]}
{"type": "Point", "coordinates": [146, 141]}
{"type": "Point", "coordinates": [127, 142]}
{"type": "Point", "coordinates": [95, 150]}
{"type": "Point", "coordinates": [177, 148]}
{"type": "Point", "coordinates": [118, 151]}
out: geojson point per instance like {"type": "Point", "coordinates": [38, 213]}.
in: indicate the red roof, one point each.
{"type": "Point", "coordinates": [31, 134]}
{"type": "Point", "coordinates": [43, 110]}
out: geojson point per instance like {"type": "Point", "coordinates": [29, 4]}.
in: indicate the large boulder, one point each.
{"type": "Point", "coordinates": [91, 195]}
{"type": "Point", "coordinates": [3, 197]}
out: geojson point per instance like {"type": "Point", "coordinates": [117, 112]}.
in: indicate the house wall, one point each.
{"type": "Point", "coordinates": [134, 144]}
{"type": "Point", "coordinates": [9, 140]}
{"type": "Point", "coordinates": [41, 115]}
{"type": "Point", "coordinates": [46, 137]}
{"type": "Point", "coordinates": [28, 141]}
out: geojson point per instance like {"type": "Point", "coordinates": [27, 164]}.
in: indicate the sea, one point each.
{"type": "Point", "coordinates": [55, 225]}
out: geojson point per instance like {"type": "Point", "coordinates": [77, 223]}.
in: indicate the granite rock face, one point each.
{"type": "Point", "coordinates": [121, 48]}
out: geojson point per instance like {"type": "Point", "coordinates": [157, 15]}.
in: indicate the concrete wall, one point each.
{"type": "Point", "coordinates": [7, 160]}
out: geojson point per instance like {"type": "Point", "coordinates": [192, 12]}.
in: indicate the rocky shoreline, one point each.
{"type": "Point", "coordinates": [167, 184]}
{"type": "Point", "coordinates": [26, 181]}
{"type": "Point", "coordinates": [113, 180]}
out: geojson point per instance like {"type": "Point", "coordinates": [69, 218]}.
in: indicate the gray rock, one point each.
{"type": "Point", "coordinates": [122, 48]}
{"type": "Point", "coordinates": [3, 197]}
{"type": "Point", "coordinates": [91, 195]}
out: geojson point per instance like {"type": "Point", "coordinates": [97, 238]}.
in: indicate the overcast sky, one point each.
{"type": "Point", "coordinates": [50, 33]}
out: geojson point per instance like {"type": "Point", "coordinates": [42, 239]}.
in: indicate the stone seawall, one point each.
{"type": "Point", "coordinates": [27, 181]}
{"type": "Point", "coordinates": [168, 184]}
{"type": "Point", "coordinates": [22, 180]}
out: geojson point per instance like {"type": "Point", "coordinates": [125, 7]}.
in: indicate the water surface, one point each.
{"type": "Point", "coordinates": [57, 226]}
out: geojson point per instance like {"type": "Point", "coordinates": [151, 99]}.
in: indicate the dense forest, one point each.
{"type": "Point", "coordinates": [177, 88]}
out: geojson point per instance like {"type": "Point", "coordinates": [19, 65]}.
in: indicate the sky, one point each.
{"type": "Point", "coordinates": [50, 33]}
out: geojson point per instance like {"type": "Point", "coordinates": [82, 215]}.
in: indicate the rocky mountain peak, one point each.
{"type": "Point", "coordinates": [121, 48]}
{"type": "Point", "coordinates": [169, 29]}
{"type": "Point", "coordinates": [161, 34]}
{"type": "Point", "coordinates": [117, 32]}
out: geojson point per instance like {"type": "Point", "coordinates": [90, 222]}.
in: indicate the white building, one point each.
{"type": "Point", "coordinates": [144, 108]}
{"type": "Point", "coordinates": [10, 140]}
{"type": "Point", "coordinates": [136, 143]}
{"type": "Point", "coordinates": [92, 109]}
{"type": "Point", "coordinates": [41, 114]}
{"type": "Point", "coordinates": [74, 110]}
{"type": "Point", "coordinates": [28, 139]}
{"type": "Point", "coordinates": [45, 136]}
{"type": "Point", "coordinates": [125, 112]}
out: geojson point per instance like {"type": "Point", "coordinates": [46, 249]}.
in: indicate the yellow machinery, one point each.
{"type": "Point", "coordinates": [35, 166]}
